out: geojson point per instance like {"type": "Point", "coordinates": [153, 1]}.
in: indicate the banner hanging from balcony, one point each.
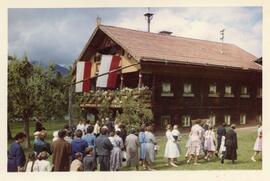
{"type": "Point", "coordinates": [83, 71]}
{"type": "Point", "coordinates": [108, 63]}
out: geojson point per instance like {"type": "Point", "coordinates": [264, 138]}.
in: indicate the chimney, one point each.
{"type": "Point", "coordinates": [165, 32]}
{"type": "Point", "coordinates": [98, 20]}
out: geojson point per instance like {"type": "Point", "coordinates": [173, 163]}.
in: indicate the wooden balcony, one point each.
{"type": "Point", "coordinates": [115, 98]}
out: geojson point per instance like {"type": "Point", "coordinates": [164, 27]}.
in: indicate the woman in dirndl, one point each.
{"type": "Point", "coordinates": [258, 143]}
{"type": "Point", "coordinates": [116, 153]}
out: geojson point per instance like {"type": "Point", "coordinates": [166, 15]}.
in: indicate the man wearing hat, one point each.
{"type": "Point", "coordinates": [231, 145]}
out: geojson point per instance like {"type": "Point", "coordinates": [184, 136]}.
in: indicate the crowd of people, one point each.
{"type": "Point", "coordinates": [203, 144]}
{"type": "Point", "coordinates": [106, 145]}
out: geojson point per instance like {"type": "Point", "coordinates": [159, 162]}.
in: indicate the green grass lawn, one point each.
{"type": "Point", "coordinates": [246, 139]}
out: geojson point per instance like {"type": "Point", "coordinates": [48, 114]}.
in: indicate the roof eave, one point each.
{"type": "Point", "coordinates": [197, 64]}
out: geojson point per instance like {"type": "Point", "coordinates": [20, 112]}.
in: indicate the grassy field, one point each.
{"type": "Point", "coordinates": [246, 139]}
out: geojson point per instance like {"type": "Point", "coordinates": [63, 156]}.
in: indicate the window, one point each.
{"type": "Point", "coordinates": [228, 91]}
{"type": "Point", "coordinates": [213, 90]}
{"type": "Point", "coordinates": [244, 92]}
{"type": "Point", "coordinates": [243, 119]}
{"type": "Point", "coordinates": [259, 92]}
{"type": "Point", "coordinates": [186, 121]}
{"type": "Point", "coordinates": [166, 89]}
{"type": "Point", "coordinates": [212, 119]}
{"type": "Point", "coordinates": [227, 119]}
{"type": "Point", "coordinates": [188, 90]}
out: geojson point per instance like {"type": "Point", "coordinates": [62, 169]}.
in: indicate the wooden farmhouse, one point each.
{"type": "Point", "coordinates": [188, 78]}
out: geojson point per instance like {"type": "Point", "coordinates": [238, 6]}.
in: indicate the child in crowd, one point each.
{"type": "Point", "coordinates": [177, 137]}
{"type": "Point", "coordinates": [43, 165]}
{"type": "Point", "coordinates": [89, 161]}
{"type": "Point", "coordinates": [222, 147]}
{"type": "Point", "coordinates": [68, 137]}
{"type": "Point", "coordinates": [176, 133]}
{"type": "Point", "coordinates": [76, 165]}
{"type": "Point", "coordinates": [31, 162]}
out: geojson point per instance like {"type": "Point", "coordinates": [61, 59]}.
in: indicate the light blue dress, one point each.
{"type": "Point", "coordinates": [150, 142]}
{"type": "Point", "coordinates": [142, 145]}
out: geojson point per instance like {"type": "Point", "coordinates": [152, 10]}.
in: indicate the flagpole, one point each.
{"type": "Point", "coordinates": [112, 71]}
{"type": "Point", "coordinates": [70, 105]}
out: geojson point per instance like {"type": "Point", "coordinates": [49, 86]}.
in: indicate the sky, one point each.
{"type": "Point", "coordinates": [58, 35]}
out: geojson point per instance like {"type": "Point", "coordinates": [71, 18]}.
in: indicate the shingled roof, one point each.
{"type": "Point", "coordinates": [159, 47]}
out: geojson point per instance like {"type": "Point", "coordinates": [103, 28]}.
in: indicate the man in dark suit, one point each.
{"type": "Point", "coordinates": [231, 145]}
{"type": "Point", "coordinates": [221, 131]}
{"type": "Point", "coordinates": [104, 148]}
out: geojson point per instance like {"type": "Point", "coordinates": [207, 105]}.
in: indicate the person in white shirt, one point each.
{"type": "Point", "coordinates": [258, 143]}
{"type": "Point", "coordinates": [97, 128]}
{"type": "Point", "coordinates": [87, 123]}
{"type": "Point", "coordinates": [77, 165]}
{"type": "Point", "coordinates": [42, 165]}
{"type": "Point", "coordinates": [31, 162]}
{"type": "Point", "coordinates": [80, 126]}
{"type": "Point", "coordinates": [171, 148]}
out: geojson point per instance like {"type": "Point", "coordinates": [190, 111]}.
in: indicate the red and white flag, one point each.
{"type": "Point", "coordinates": [108, 63]}
{"type": "Point", "coordinates": [83, 71]}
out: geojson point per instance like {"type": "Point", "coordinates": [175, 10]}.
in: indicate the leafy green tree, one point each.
{"type": "Point", "coordinates": [53, 98]}
{"type": "Point", "coordinates": [35, 91]}
{"type": "Point", "coordinates": [21, 96]}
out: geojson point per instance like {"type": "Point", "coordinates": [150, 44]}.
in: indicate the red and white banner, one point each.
{"type": "Point", "coordinates": [108, 63]}
{"type": "Point", "coordinates": [83, 71]}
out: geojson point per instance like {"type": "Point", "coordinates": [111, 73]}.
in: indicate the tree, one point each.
{"type": "Point", "coordinates": [34, 91]}
{"type": "Point", "coordinates": [21, 102]}
{"type": "Point", "coordinates": [53, 98]}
